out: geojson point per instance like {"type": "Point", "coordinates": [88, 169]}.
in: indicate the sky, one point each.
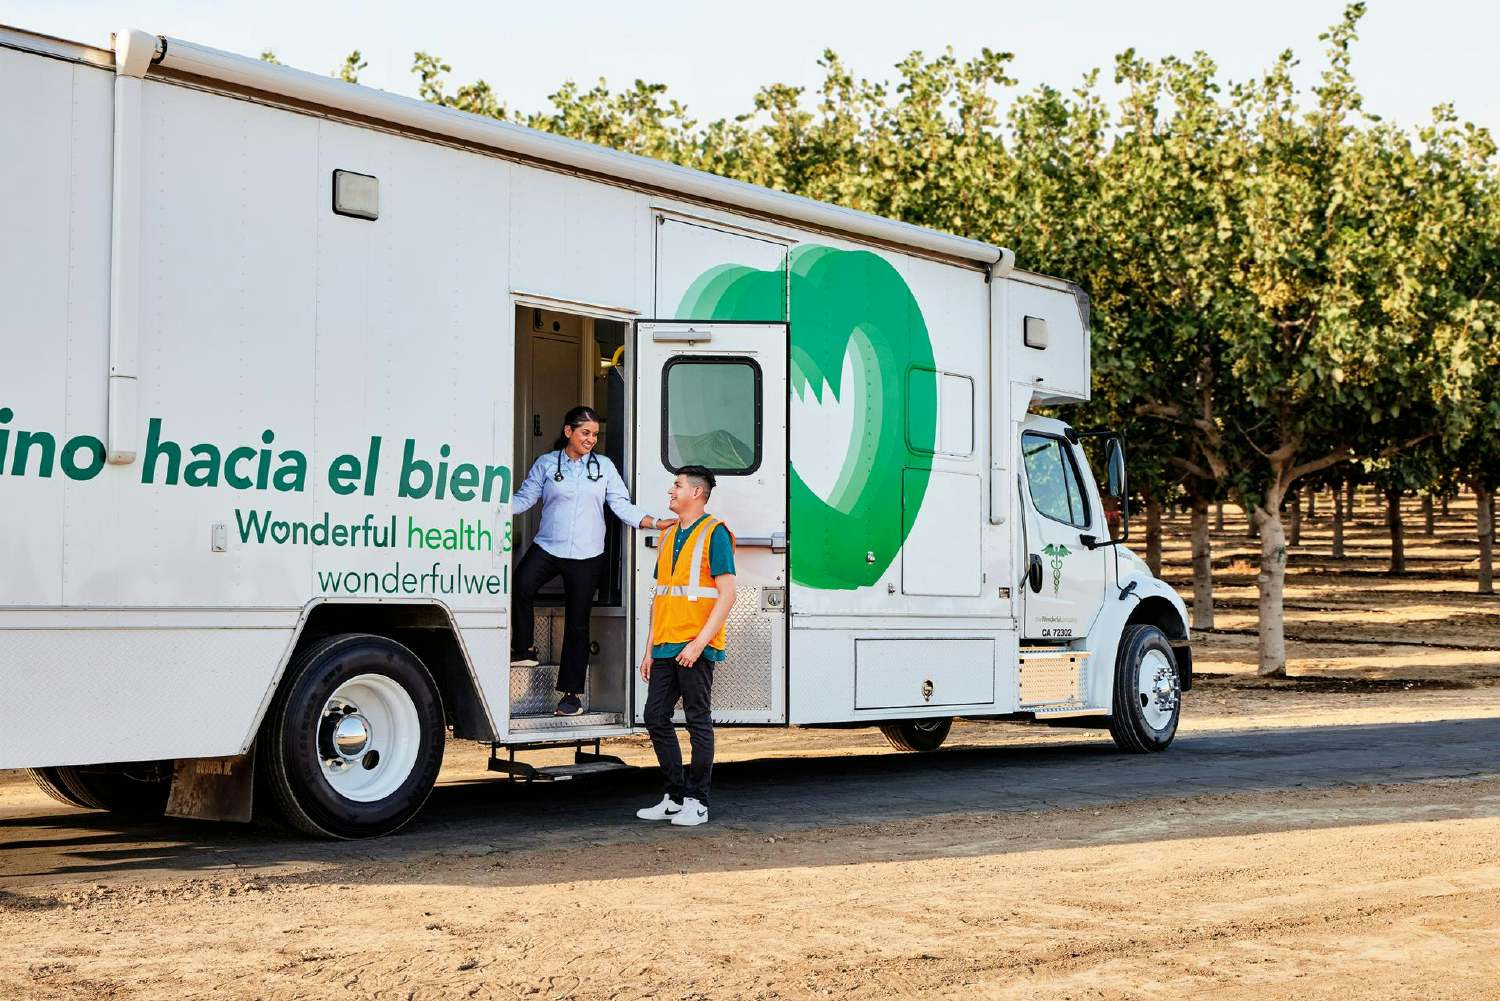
{"type": "Point", "coordinates": [1410, 57]}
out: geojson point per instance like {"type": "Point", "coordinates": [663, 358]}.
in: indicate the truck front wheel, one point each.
{"type": "Point", "coordinates": [1148, 693]}
{"type": "Point", "coordinates": [353, 741]}
{"type": "Point", "coordinates": [917, 734]}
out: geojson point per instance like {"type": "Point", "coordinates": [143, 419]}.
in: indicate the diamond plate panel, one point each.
{"type": "Point", "coordinates": [549, 634]}
{"type": "Point", "coordinates": [1052, 679]}
{"type": "Point", "coordinates": [533, 691]}
{"type": "Point", "coordinates": [743, 681]}
{"type": "Point", "coordinates": [142, 694]}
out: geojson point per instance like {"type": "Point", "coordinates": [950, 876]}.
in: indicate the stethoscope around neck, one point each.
{"type": "Point", "coordinates": [590, 466]}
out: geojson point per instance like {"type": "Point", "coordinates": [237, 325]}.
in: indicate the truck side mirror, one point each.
{"type": "Point", "coordinates": [1115, 468]}
{"type": "Point", "coordinates": [1116, 486]}
{"type": "Point", "coordinates": [1117, 481]}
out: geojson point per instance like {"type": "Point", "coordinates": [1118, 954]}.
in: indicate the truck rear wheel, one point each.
{"type": "Point", "coordinates": [49, 781]}
{"type": "Point", "coordinates": [1148, 693]}
{"type": "Point", "coordinates": [137, 789]}
{"type": "Point", "coordinates": [917, 734]}
{"type": "Point", "coordinates": [353, 741]}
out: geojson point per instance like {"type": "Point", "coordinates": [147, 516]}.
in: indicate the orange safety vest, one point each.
{"type": "Point", "coordinates": [685, 594]}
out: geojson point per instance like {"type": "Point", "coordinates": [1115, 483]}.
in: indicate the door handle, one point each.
{"type": "Point", "coordinates": [1034, 573]}
{"type": "Point", "coordinates": [775, 542]}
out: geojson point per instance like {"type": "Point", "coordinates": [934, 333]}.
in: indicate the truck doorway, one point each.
{"type": "Point", "coordinates": [565, 360]}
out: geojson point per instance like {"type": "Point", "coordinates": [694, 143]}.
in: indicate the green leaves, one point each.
{"type": "Point", "coordinates": [1279, 279]}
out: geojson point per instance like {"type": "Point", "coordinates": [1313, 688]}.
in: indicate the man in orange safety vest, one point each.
{"type": "Point", "coordinates": [694, 594]}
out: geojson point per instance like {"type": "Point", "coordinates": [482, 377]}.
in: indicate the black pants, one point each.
{"type": "Point", "coordinates": [580, 578]}
{"type": "Point", "coordinates": [694, 685]}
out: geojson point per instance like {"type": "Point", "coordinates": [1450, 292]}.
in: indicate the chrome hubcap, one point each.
{"type": "Point", "coordinates": [351, 735]}
{"type": "Point", "coordinates": [1158, 690]}
{"type": "Point", "coordinates": [344, 735]}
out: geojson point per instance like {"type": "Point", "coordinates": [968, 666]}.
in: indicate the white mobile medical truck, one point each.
{"type": "Point", "coordinates": [276, 349]}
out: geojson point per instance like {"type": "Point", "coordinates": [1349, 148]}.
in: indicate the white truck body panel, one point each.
{"type": "Point", "coordinates": [305, 393]}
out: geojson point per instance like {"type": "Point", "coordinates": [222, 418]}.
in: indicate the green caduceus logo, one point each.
{"type": "Point", "coordinates": [1058, 553]}
{"type": "Point", "coordinates": [858, 338]}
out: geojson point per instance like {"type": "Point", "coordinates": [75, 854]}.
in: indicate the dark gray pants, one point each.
{"type": "Point", "coordinates": [694, 685]}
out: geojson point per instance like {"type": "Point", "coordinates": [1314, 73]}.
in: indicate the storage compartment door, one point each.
{"type": "Point", "coordinates": [921, 673]}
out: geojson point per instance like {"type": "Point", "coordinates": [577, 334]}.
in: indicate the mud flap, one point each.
{"type": "Point", "coordinates": [213, 788]}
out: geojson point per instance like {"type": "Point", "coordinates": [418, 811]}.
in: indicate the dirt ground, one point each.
{"type": "Point", "coordinates": [1371, 889]}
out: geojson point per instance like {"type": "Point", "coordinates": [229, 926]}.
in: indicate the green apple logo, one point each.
{"type": "Point", "coordinates": [857, 334]}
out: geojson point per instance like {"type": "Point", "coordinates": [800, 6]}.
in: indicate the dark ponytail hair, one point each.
{"type": "Point", "coordinates": [571, 420]}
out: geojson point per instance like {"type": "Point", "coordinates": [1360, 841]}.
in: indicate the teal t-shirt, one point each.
{"type": "Point", "coordinates": [720, 562]}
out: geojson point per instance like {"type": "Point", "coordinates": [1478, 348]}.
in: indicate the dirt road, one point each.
{"type": "Point", "coordinates": [1336, 834]}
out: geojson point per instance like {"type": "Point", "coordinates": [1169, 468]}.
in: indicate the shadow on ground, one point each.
{"type": "Point", "coordinates": [773, 797]}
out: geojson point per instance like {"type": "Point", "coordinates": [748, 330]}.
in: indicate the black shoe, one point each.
{"type": "Point", "coordinates": [569, 705]}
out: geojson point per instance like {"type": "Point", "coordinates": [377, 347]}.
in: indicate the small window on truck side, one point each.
{"type": "Point", "coordinates": [1054, 481]}
{"type": "Point", "coordinates": [712, 411]}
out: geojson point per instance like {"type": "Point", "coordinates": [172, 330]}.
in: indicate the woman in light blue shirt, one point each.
{"type": "Point", "coordinates": [573, 485]}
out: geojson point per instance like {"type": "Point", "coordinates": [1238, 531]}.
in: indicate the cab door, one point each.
{"type": "Point", "coordinates": [1065, 581]}
{"type": "Point", "coordinates": [714, 394]}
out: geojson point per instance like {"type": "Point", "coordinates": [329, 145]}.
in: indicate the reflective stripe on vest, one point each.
{"type": "Point", "coordinates": [690, 593]}
{"type": "Point", "coordinates": [693, 591]}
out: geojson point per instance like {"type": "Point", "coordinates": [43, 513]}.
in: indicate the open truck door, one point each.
{"type": "Point", "coordinates": [714, 394]}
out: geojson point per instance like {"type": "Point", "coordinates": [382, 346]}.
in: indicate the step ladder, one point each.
{"type": "Point", "coordinates": [584, 762]}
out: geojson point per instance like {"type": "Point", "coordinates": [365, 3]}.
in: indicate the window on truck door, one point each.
{"type": "Point", "coordinates": [1053, 478]}
{"type": "Point", "coordinates": [712, 411]}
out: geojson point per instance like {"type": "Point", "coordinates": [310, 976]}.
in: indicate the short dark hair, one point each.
{"type": "Point", "coordinates": [702, 475]}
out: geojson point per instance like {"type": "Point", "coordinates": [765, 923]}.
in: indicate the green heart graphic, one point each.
{"type": "Point", "coordinates": [845, 302]}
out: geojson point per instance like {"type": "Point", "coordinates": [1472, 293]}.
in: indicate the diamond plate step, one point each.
{"type": "Point", "coordinates": [536, 723]}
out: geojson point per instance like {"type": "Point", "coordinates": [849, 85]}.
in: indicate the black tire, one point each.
{"type": "Point", "coordinates": [133, 789]}
{"type": "Point", "coordinates": [1129, 724]}
{"type": "Point", "coordinates": [292, 741]}
{"type": "Point", "coordinates": [917, 734]}
{"type": "Point", "coordinates": [49, 781]}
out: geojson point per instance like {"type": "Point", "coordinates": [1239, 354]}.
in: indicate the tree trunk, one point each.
{"type": "Point", "coordinates": [1486, 501]}
{"type": "Point", "coordinates": [1349, 501]}
{"type": "Point", "coordinates": [1338, 524]}
{"type": "Point", "coordinates": [1203, 568]}
{"type": "Point", "coordinates": [1153, 535]}
{"type": "Point", "coordinates": [1271, 585]}
{"type": "Point", "coordinates": [1312, 503]}
{"type": "Point", "coordinates": [1219, 517]}
{"type": "Point", "coordinates": [1398, 532]}
{"type": "Point", "coordinates": [1429, 515]}
{"type": "Point", "coordinates": [1296, 518]}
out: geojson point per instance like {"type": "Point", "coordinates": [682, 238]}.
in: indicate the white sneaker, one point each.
{"type": "Point", "coordinates": [525, 662]}
{"type": "Point", "coordinates": [692, 814]}
{"type": "Point", "coordinates": [665, 810]}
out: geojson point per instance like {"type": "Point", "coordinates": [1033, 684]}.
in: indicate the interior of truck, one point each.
{"type": "Point", "coordinates": [565, 360]}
